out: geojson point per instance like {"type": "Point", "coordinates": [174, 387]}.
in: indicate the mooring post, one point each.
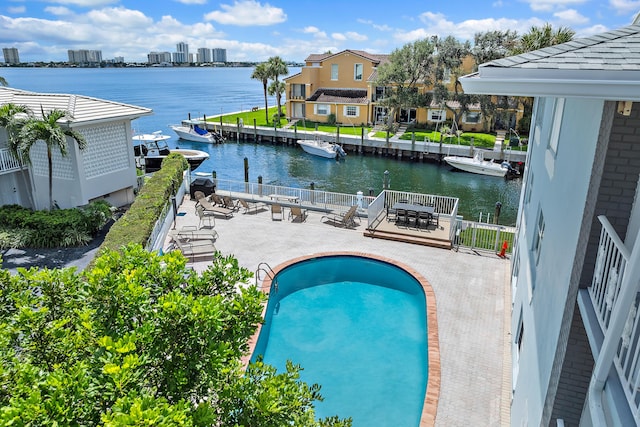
{"type": "Point", "coordinates": [246, 175]}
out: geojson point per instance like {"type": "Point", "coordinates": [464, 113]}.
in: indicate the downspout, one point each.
{"type": "Point", "coordinates": [626, 298]}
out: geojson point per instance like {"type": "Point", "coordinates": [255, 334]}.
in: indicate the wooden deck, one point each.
{"type": "Point", "coordinates": [432, 236]}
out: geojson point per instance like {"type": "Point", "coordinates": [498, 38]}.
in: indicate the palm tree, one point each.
{"type": "Point", "coordinates": [53, 135]}
{"type": "Point", "coordinates": [3, 82]}
{"type": "Point", "coordinates": [277, 68]}
{"type": "Point", "coordinates": [261, 72]}
{"type": "Point", "coordinates": [12, 118]}
{"type": "Point", "coordinates": [277, 88]}
{"type": "Point", "coordinates": [541, 37]}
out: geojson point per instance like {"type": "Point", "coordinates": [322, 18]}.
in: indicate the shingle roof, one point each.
{"type": "Point", "coordinates": [83, 108]}
{"type": "Point", "coordinates": [376, 58]}
{"type": "Point", "coordinates": [345, 96]}
{"type": "Point", "coordinates": [617, 50]}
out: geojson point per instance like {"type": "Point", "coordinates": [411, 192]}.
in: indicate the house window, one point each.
{"type": "Point", "coordinates": [472, 117]}
{"type": "Point", "coordinates": [351, 110]}
{"type": "Point", "coordinates": [297, 91]}
{"type": "Point", "coordinates": [554, 138]}
{"type": "Point", "coordinates": [357, 72]}
{"type": "Point", "coordinates": [334, 71]}
{"type": "Point", "coordinates": [529, 184]}
{"type": "Point", "coordinates": [437, 115]}
{"type": "Point", "coordinates": [538, 236]}
{"type": "Point", "coordinates": [322, 109]}
{"type": "Point", "coordinates": [539, 120]}
{"type": "Point", "coordinates": [518, 339]}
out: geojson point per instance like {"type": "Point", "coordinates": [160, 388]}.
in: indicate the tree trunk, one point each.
{"type": "Point", "coordinates": [266, 105]}
{"type": "Point", "coordinates": [50, 178]}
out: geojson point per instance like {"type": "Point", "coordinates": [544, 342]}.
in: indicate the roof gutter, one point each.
{"type": "Point", "coordinates": [628, 90]}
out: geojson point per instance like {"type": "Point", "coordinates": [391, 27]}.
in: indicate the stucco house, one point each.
{"type": "Point", "coordinates": [344, 84]}
{"type": "Point", "coordinates": [576, 261]}
{"type": "Point", "coordinates": [105, 169]}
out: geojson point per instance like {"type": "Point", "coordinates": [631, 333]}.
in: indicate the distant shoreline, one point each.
{"type": "Point", "coordinates": [137, 64]}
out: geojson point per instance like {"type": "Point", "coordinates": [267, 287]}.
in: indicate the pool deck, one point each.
{"type": "Point", "coordinates": [472, 301]}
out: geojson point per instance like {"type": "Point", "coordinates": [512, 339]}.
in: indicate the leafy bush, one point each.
{"type": "Point", "coordinates": [331, 119]}
{"type": "Point", "coordinates": [23, 227]}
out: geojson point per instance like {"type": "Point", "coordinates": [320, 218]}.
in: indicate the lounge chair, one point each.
{"type": "Point", "coordinates": [217, 200]}
{"type": "Point", "coordinates": [345, 219]}
{"type": "Point", "coordinates": [194, 249]}
{"type": "Point", "coordinates": [230, 204]}
{"type": "Point", "coordinates": [296, 213]}
{"type": "Point", "coordinates": [276, 209]}
{"type": "Point", "coordinates": [221, 210]}
{"type": "Point", "coordinates": [250, 206]}
{"type": "Point", "coordinates": [192, 233]}
{"type": "Point", "coordinates": [205, 216]}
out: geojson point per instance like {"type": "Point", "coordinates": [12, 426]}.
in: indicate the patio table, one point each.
{"type": "Point", "coordinates": [411, 207]}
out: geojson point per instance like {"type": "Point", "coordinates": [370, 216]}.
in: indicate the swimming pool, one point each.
{"type": "Point", "coordinates": [358, 327]}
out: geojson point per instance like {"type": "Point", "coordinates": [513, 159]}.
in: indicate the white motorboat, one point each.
{"type": "Point", "coordinates": [196, 134]}
{"type": "Point", "coordinates": [153, 148]}
{"type": "Point", "coordinates": [477, 164]}
{"type": "Point", "coordinates": [320, 148]}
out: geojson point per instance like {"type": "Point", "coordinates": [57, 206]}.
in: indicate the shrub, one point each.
{"type": "Point", "coordinates": [22, 227]}
{"type": "Point", "coordinates": [331, 119]}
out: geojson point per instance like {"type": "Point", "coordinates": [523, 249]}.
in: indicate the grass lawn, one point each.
{"type": "Point", "coordinates": [481, 140]}
{"type": "Point", "coordinates": [486, 239]}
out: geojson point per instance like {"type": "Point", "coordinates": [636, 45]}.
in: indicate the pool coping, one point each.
{"type": "Point", "coordinates": [430, 406]}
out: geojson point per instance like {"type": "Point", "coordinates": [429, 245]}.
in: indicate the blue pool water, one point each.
{"type": "Point", "coordinates": [358, 327]}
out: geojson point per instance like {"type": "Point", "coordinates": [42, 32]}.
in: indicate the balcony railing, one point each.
{"type": "Point", "coordinates": [8, 163]}
{"type": "Point", "coordinates": [604, 292]}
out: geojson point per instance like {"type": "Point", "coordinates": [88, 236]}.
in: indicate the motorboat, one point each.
{"type": "Point", "coordinates": [477, 164]}
{"type": "Point", "coordinates": [321, 148]}
{"type": "Point", "coordinates": [196, 133]}
{"type": "Point", "coordinates": [151, 149]}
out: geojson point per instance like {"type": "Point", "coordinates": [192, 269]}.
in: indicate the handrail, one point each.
{"type": "Point", "coordinates": [266, 268]}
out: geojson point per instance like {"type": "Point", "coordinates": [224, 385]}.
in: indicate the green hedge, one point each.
{"type": "Point", "coordinates": [136, 225]}
{"type": "Point", "coordinates": [22, 227]}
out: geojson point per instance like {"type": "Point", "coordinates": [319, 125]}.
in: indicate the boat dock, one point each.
{"type": "Point", "coordinates": [361, 144]}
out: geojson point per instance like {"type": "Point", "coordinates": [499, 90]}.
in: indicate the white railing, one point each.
{"type": "Point", "coordinates": [315, 199]}
{"type": "Point", "coordinates": [8, 163]}
{"type": "Point", "coordinates": [611, 263]}
{"type": "Point", "coordinates": [607, 276]}
{"type": "Point", "coordinates": [483, 236]}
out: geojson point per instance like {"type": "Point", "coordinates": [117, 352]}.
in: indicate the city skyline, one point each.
{"type": "Point", "coordinates": [253, 31]}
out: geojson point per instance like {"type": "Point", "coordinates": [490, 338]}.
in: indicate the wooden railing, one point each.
{"type": "Point", "coordinates": [604, 292]}
{"type": "Point", "coordinates": [8, 163]}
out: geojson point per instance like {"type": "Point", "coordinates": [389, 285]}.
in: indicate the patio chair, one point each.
{"type": "Point", "coordinates": [211, 209]}
{"type": "Point", "coordinates": [345, 219]}
{"type": "Point", "coordinates": [193, 233]}
{"type": "Point", "coordinates": [230, 204]}
{"type": "Point", "coordinates": [217, 200]}
{"type": "Point", "coordinates": [276, 210]}
{"type": "Point", "coordinates": [392, 214]}
{"type": "Point", "coordinates": [198, 195]}
{"type": "Point", "coordinates": [194, 249]}
{"type": "Point", "coordinates": [250, 206]}
{"type": "Point", "coordinates": [205, 216]}
{"type": "Point", "coordinates": [296, 213]}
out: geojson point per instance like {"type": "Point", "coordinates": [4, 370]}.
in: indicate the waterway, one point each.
{"type": "Point", "coordinates": [174, 93]}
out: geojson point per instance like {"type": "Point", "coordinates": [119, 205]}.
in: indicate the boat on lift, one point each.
{"type": "Point", "coordinates": [196, 133]}
{"type": "Point", "coordinates": [477, 164]}
{"type": "Point", "coordinates": [150, 149]}
{"type": "Point", "coordinates": [321, 148]}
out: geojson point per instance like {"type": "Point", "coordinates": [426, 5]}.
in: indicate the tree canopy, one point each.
{"type": "Point", "coordinates": [140, 339]}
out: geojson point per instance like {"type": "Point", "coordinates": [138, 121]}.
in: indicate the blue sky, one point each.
{"type": "Point", "coordinates": [254, 30]}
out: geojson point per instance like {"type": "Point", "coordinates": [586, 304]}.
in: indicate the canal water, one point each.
{"type": "Point", "coordinates": [174, 93]}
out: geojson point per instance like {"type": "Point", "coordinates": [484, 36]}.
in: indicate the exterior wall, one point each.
{"type": "Point", "coordinates": [105, 166]}
{"type": "Point", "coordinates": [574, 379]}
{"type": "Point", "coordinates": [556, 185]}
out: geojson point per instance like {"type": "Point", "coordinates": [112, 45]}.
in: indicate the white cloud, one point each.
{"type": "Point", "coordinates": [570, 17]}
{"type": "Point", "coordinates": [315, 31]}
{"type": "Point", "coordinates": [84, 3]}
{"type": "Point", "coordinates": [339, 36]}
{"type": "Point", "coordinates": [118, 17]}
{"type": "Point", "coordinates": [625, 6]}
{"type": "Point", "coordinates": [16, 9]}
{"type": "Point", "coordinates": [58, 10]}
{"type": "Point", "coordinates": [352, 35]}
{"type": "Point", "coordinates": [245, 13]}
{"type": "Point", "coordinates": [551, 5]}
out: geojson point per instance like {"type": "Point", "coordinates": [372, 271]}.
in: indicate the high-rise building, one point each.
{"type": "Point", "coordinates": [159, 57]}
{"type": "Point", "coordinates": [84, 56]}
{"type": "Point", "coordinates": [11, 55]}
{"type": "Point", "coordinates": [182, 53]}
{"type": "Point", "coordinates": [204, 55]}
{"type": "Point", "coordinates": [219, 55]}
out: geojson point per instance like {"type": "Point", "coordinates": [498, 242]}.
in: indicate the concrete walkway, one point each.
{"type": "Point", "coordinates": [471, 291]}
